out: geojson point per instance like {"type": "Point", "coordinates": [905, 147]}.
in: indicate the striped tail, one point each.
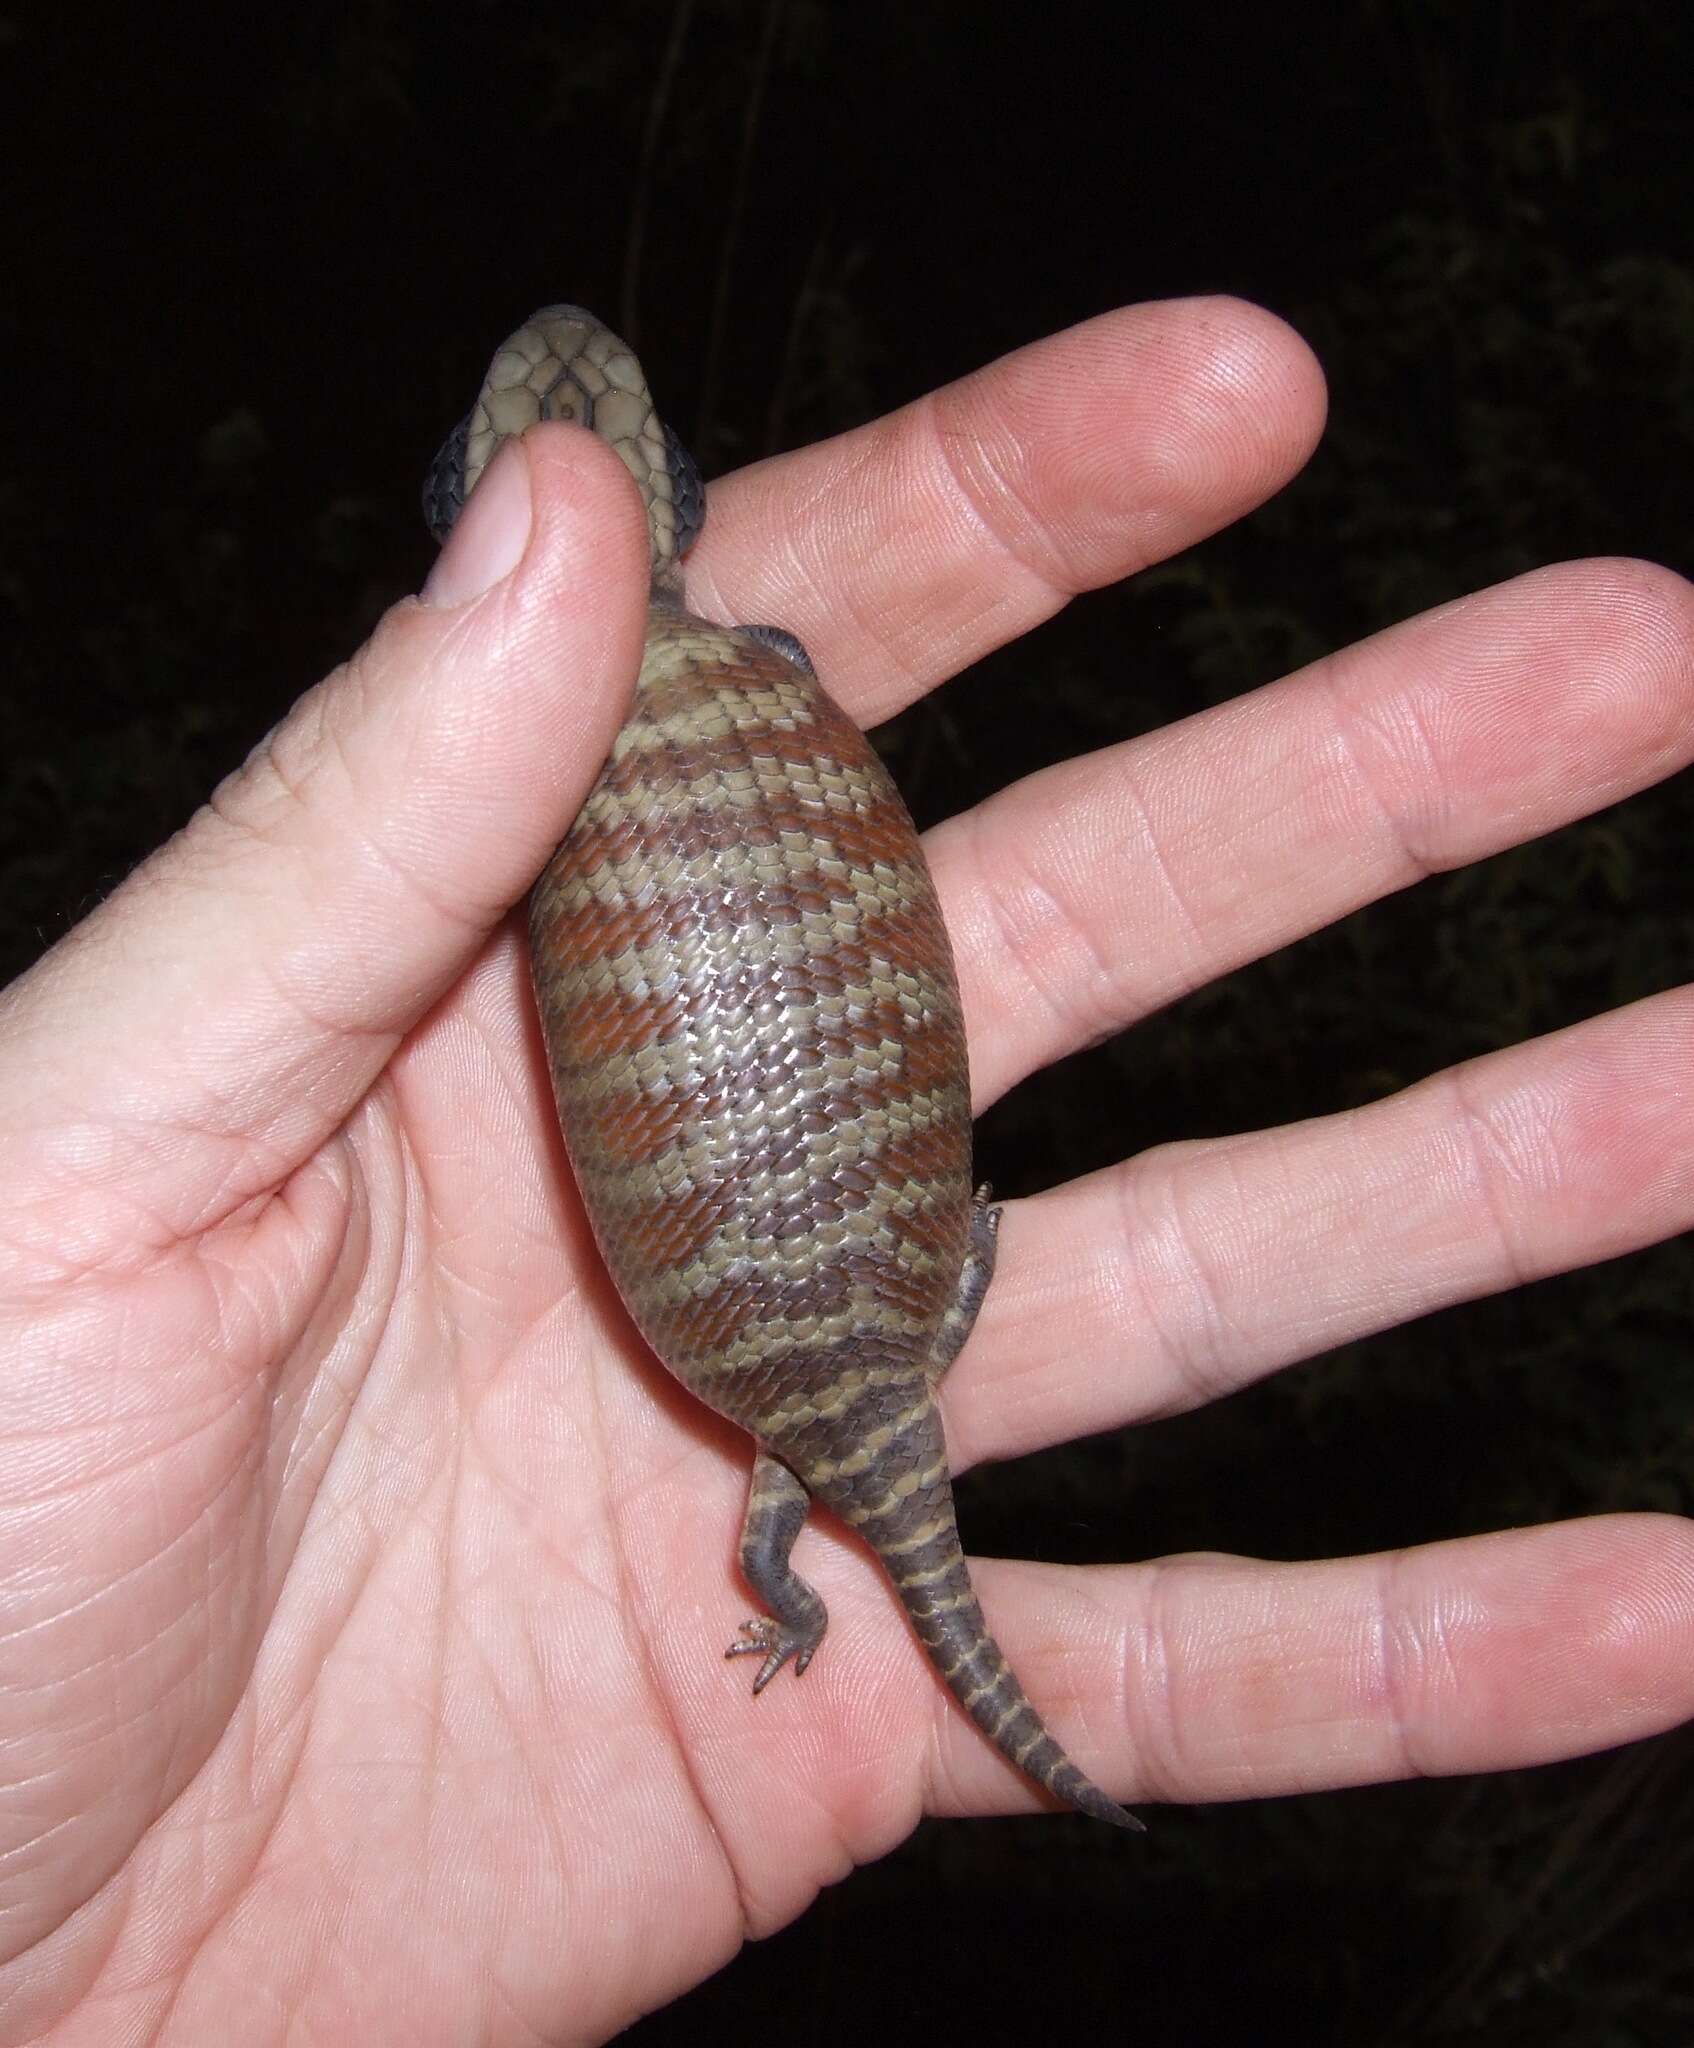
{"type": "Point", "coordinates": [912, 1529]}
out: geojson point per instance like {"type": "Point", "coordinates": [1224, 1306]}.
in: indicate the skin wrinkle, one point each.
{"type": "Point", "coordinates": [114, 1665]}
{"type": "Point", "coordinates": [885, 658]}
{"type": "Point", "coordinates": [92, 1971]}
{"type": "Point", "coordinates": [1015, 946]}
{"type": "Point", "coordinates": [1197, 1304]}
{"type": "Point", "coordinates": [1158, 1739]}
{"type": "Point", "coordinates": [236, 1895]}
{"type": "Point", "coordinates": [443, 1235]}
{"type": "Point", "coordinates": [1132, 1006]}
{"type": "Point", "coordinates": [1474, 1125]}
{"type": "Point", "coordinates": [22, 1856]}
{"type": "Point", "coordinates": [1016, 412]}
{"type": "Point", "coordinates": [159, 1807]}
{"type": "Point", "coordinates": [160, 1236]}
{"type": "Point", "coordinates": [59, 1268]}
{"type": "Point", "coordinates": [68, 1489]}
{"type": "Point", "coordinates": [1441, 1670]}
{"type": "Point", "coordinates": [306, 1446]}
{"type": "Point", "coordinates": [1416, 866]}
{"type": "Point", "coordinates": [823, 605]}
{"type": "Point", "coordinates": [338, 1423]}
{"type": "Point", "coordinates": [1026, 599]}
{"type": "Point", "coordinates": [356, 1027]}
{"type": "Point", "coordinates": [1395, 1665]}
{"type": "Point", "coordinates": [237, 1282]}
{"type": "Point", "coordinates": [214, 859]}
{"type": "Point", "coordinates": [455, 913]}
{"type": "Point", "coordinates": [1049, 594]}
{"type": "Point", "coordinates": [1214, 1323]}
{"type": "Point", "coordinates": [351, 1231]}
{"type": "Point", "coordinates": [262, 807]}
{"type": "Point", "coordinates": [816, 604]}
{"type": "Point", "coordinates": [1525, 1126]}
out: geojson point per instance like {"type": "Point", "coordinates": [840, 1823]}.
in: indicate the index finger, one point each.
{"type": "Point", "coordinates": [907, 549]}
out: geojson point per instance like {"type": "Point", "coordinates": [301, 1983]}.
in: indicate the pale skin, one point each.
{"type": "Point", "coordinates": [364, 1583]}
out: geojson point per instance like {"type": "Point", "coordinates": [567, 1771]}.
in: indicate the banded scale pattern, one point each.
{"type": "Point", "coordinates": [753, 1025]}
{"type": "Point", "coordinates": [749, 1003]}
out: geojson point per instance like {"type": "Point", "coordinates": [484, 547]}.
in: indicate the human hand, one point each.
{"type": "Point", "coordinates": [364, 1581]}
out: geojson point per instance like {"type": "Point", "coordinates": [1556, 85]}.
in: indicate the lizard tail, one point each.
{"type": "Point", "coordinates": [910, 1525]}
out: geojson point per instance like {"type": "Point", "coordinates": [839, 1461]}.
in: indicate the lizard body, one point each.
{"type": "Point", "coordinates": [757, 1051]}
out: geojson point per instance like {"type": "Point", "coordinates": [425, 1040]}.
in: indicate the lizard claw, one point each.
{"type": "Point", "coordinates": [776, 1643]}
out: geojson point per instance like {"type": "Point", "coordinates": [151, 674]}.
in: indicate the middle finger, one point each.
{"type": "Point", "coordinates": [1088, 895]}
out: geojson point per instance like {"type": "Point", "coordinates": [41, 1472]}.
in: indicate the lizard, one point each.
{"type": "Point", "coordinates": [757, 1051]}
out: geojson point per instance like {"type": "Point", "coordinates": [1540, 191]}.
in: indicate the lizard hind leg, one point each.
{"type": "Point", "coordinates": [978, 1270]}
{"type": "Point", "coordinates": [776, 1511]}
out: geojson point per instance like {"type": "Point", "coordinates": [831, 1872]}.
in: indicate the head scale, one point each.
{"type": "Point", "coordinates": [564, 364]}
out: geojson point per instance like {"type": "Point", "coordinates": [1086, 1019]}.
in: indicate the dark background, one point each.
{"type": "Point", "coordinates": [255, 269]}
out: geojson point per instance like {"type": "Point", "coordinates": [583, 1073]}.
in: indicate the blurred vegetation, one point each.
{"type": "Point", "coordinates": [1510, 347]}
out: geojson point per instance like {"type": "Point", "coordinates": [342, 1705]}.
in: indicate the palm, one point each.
{"type": "Point", "coordinates": [366, 1578]}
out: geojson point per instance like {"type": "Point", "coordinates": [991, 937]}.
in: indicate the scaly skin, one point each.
{"type": "Point", "coordinates": [753, 1024]}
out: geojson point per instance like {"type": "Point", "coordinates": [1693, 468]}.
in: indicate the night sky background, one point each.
{"type": "Point", "coordinates": [256, 266]}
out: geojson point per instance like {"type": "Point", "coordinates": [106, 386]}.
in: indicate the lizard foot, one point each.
{"type": "Point", "coordinates": [777, 1644]}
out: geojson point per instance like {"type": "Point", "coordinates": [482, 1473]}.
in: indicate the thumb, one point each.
{"type": "Point", "coordinates": [249, 981]}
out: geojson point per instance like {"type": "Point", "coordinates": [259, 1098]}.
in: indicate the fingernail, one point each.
{"type": "Point", "coordinates": [491, 533]}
